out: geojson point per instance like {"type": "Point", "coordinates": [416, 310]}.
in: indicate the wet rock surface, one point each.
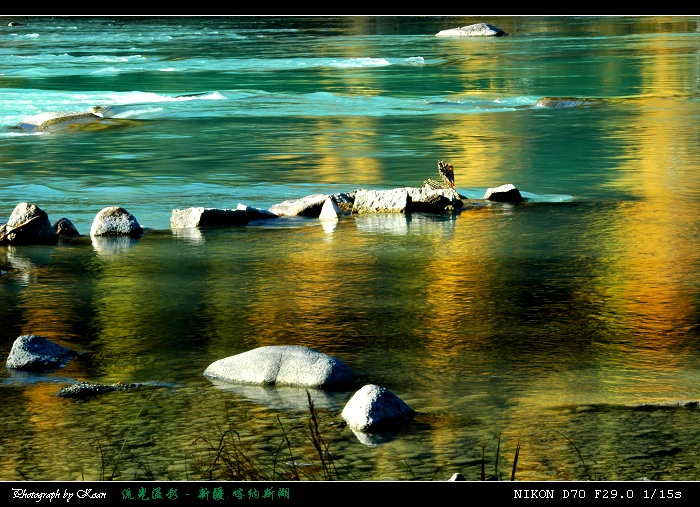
{"type": "Point", "coordinates": [35, 353]}
{"type": "Point", "coordinates": [87, 390]}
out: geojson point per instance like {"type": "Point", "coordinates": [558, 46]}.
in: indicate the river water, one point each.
{"type": "Point", "coordinates": [567, 325]}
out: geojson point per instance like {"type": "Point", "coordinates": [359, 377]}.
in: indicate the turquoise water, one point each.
{"type": "Point", "coordinates": [546, 323]}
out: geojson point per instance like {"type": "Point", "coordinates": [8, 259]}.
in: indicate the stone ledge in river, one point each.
{"type": "Point", "coordinates": [504, 193]}
{"type": "Point", "coordinates": [252, 213]}
{"type": "Point", "coordinates": [432, 200]}
{"type": "Point", "coordinates": [555, 102]}
{"type": "Point", "coordinates": [82, 390]}
{"type": "Point", "coordinates": [205, 217]}
{"type": "Point", "coordinates": [115, 221]}
{"type": "Point", "coordinates": [475, 30]}
{"type": "Point", "coordinates": [374, 408]}
{"type": "Point", "coordinates": [308, 206]}
{"type": "Point", "coordinates": [405, 200]}
{"type": "Point", "coordinates": [381, 201]}
{"type": "Point", "coordinates": [285, 365]}
{"type": "Point", "coordinates": [34, 353]}
{"type": "Point", "coordinates": [28, 225]}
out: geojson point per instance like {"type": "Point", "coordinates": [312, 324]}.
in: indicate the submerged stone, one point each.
{"type": "Point", "coordinates": [84, 390]}
{"type": "Point", "coordinates": [565, 102]}
{"type": "Point", "coordinates": [48, 122]}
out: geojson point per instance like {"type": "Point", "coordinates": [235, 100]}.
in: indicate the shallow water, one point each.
{"type": "Point", "coordinates": [545, 324]}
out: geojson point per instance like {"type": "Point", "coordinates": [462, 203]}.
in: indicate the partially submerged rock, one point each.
{"type": "Point", "coordinates": [565, 102]}
{"type": "Point", "coordinates": [381, 201]}
{"type": "Point", "coordinates": [475, 30]}
{"type": "Point", "coordinates": [49, 122]}
{"type": "Point", "coordinates": [309, 206]}
{"type": "Point", "coordinates": [94, 119]}
{"type": "Point", "coordinates": [28, 225]}
{"type": "Point", "coordinates": [374, 408]}
{"type": "Point", "coordinates": [65, 228]}
{"type": "Point", "coordinates": [344, 200]}
{"type": "Point", "coordinates": [84, 390]}
{"type": "Point", "coordinates": [504, 193]}
{"type": "Point", "coordinates": [287, 365]}
{"type": "Point", "coordinates": [204, 217]}
{"type": "Point", "coordinates": [34, 353]}
{"type": "Point", "coordinates": [330, 210]}
{"type": "Point", "coordinates": [115, 221]}
{"type": "Point", "coordinates": [405, 200]}
{"type": "Point", "coordinates": [252, 213]}
{"type": "Point", "coordinates": [434, 200]}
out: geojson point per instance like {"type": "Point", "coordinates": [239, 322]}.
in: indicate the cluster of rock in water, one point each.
{"type": "Point", "coordinates": [30, 225]}
{"type": "Point", "coordinates": [373, 413]}
{"type": "Point", "coordinates": [371, 410]}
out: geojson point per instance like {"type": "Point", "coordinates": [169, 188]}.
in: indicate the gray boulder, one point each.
{"type": "Point", "coordinates": [28, 225]}
{"type": "Point", "coordinates": [34, 353]}
{"type": "Point", "coordinates": [309, 206]}
{"type": "Point", "coordinates": [475, 30]}
{"type": "Point", "coordinates": [65, 228]}
{"type": "Point", "coordinates": [374, 408]}
{"type": "Point", "coordinates": [432, 200]}
{"type": "Point", "coordinates": [115, 221]}
{"type": "Point", "coordinates": [504, 193]}
{"type": "Point", "coordinates": [204, 217]}
{"type": "Point", "coordinates": [407, 200]}
{"type": "Point", "coordinates": [285, 365]}
{"type": "Point", "coordinates": [381, 201]}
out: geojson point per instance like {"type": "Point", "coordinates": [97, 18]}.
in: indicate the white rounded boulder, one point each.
{"type": "Point", "coordinates": [286, 365]}
{"type": "Point", "coordinates": [375, 408]}
{"type": "Point", "coordinates": [115, 221]}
